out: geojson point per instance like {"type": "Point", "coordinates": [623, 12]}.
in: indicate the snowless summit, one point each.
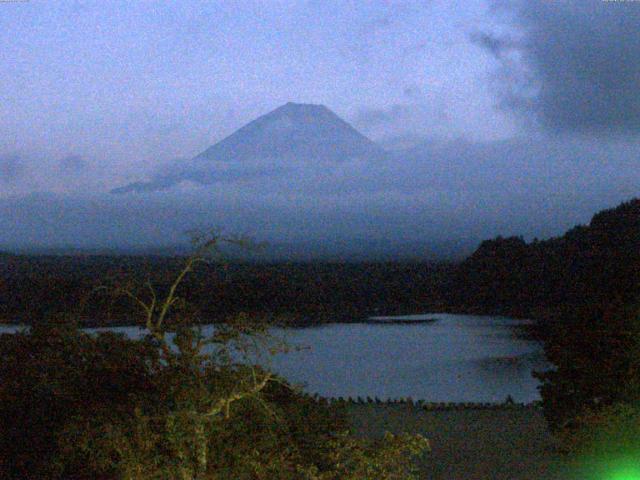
{"type": "Point", "coordinates": [290, 135]}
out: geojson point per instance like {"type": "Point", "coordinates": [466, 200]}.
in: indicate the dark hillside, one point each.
{"type": "Point", "coordinates": [590, 264]}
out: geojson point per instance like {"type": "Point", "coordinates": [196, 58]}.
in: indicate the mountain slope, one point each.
{"type": "Point", "coordinates": [290, 136]}
{"type": "Point", "coordinates": [297, 131]}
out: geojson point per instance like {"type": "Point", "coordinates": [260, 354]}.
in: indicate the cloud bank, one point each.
{"type": "Point", "coordinates": [578, 68]}
{"type": "Point", "coordinates": [439, 193]}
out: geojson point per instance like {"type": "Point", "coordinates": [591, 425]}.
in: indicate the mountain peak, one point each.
{"type": "Point", "coordinates": [295, 105]}
{"type": "Point", "coordinates": [302, 107]}
{"type": "Point", "coordinates": [294, 131]}
{"type": "Point", "coordinates": [292, 135]}
{"type": "Point", "coordinates": [301, 113]}
{"type": "Point", "coordinates": [297, 114]}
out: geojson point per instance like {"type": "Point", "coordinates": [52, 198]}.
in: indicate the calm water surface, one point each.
{"type": "Point", "coordinates": [458, 358]}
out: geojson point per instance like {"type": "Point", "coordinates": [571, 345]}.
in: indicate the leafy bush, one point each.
{"type": "Point", "coordinates": [55, 373]}
{"type": "Point", "coordinates": [175, 404]}
{"type": "Point", "coordinates": [596, 354]}
{"type": "Point", "coordinates": [605, 443]}
{"type": "Point", "coordinates": [606, 432]}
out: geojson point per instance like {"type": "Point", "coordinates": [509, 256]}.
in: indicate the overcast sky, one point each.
{"type": "Point", "coordinates": [97, 94]}
{"type": "Point", "coordinates": [129, 84]}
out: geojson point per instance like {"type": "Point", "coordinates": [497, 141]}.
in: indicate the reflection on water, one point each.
{"type": "Point", "coordinates": [458, 358]}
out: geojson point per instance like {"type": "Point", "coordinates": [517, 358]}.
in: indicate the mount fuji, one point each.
{"type": "Point", "coordinates": [290, 137]}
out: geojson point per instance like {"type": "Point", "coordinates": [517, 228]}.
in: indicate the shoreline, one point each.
{"type": "Point", "coordinates": [301, 320]}
{"type": "Point", "coordinates": [425, 405]}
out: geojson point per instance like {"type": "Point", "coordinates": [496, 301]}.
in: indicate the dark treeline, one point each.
{"type": "Point", "coordinates": [595, 265]}
{"type": "Point", "coordinates": [34, 287]}
{"type": "Point", "coordinates": [590, 265]}
{"type": "Point", "coordinates": [584, 288]}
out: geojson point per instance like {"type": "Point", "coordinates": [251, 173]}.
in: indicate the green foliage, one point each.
{"type": "Point", "coordinates": [605, 444]}
{"type": "Point", "coordinates": [596, 354]}
{"type": "Point", "coordinates": [388, 458]}
{"type": "Point", "coordinates": [56, 375]}
{"type": "Point", "coordinates": [174, 405]}
{"type": "Point", "coordinates": [605, 432]}
{"type": "Point", "coordinates": [584, 287]}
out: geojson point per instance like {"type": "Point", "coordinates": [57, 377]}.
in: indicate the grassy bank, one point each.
{"type": "Point", "coordinates": [470, 443]}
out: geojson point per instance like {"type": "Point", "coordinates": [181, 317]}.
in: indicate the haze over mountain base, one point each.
{"type": "Point", "coordinates": [312, 186]}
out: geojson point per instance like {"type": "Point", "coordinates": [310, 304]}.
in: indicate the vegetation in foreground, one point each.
{"type": "Point", "coordinates": [591, 397]}
{"type": "Point", "coordinates": [583, 285]}
{"type": "Point", "coordinates": [80, 406]}
{"type": "Point", "coordinates": [500, 443]}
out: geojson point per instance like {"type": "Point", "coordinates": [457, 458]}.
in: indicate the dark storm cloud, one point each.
{"type": "Point", "coordinates": [12, 169]}
{"type": "Point", "coordinates": [584, 58]}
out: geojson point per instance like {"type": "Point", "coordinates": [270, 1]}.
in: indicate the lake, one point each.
{"type": "Point", "coordinates": [456, 358]}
